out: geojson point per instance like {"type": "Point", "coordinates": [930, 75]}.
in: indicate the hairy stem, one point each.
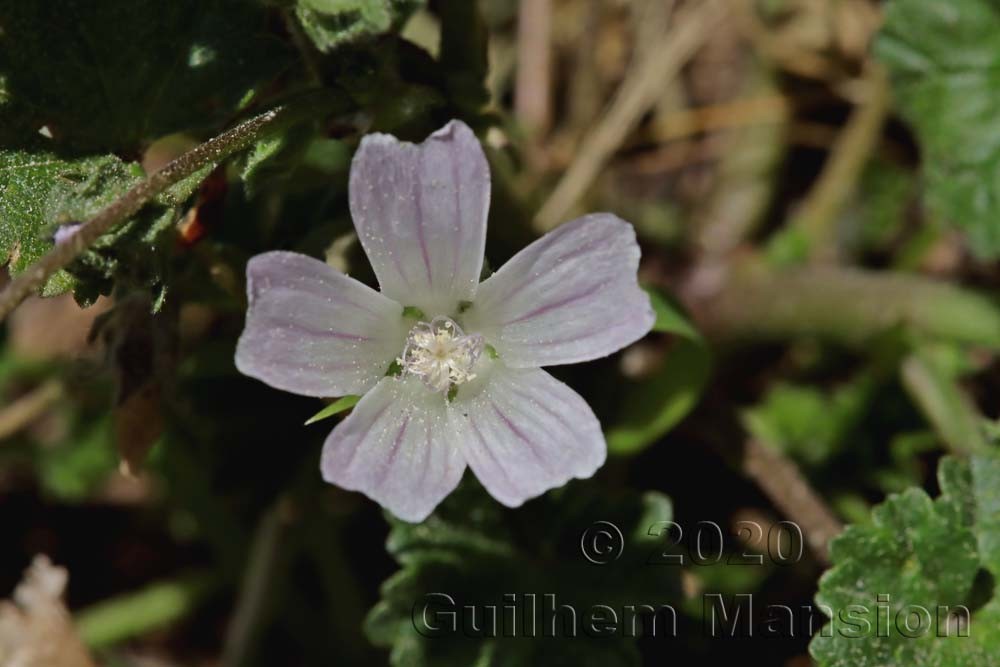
{"type": "Point", "coordinates": [211, 152]}
{"type": "Point", "coordinates": [532, 87]}
{"type": "Point", "coordinates": [844, 305]}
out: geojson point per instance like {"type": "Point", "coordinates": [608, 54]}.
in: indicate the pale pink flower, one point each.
{"type": "Point", "coordinates": [469, 391]}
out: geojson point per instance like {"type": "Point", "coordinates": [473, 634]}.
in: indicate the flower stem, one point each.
{"type": "Point", "coordinates": [211, 152]}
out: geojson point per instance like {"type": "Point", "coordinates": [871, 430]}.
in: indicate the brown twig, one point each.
{"type": "Point", "coordinates": [785, 485]}
{"type": "Point", "coordinates": [637, 94]}
{"type": "Point", "coordinates": [210, 152]}
{"type": "Point", "coordinates": [772, 109]}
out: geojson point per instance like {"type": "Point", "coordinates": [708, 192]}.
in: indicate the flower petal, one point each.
{"type": "Point", "coordinates": [399, 447]}
{"type": "Point", "coordinates": [524, 432]}
{"type": "Point", "coordinates": [420, 212]}
{"type": "Point", "coordinates": [312, 330]}
{"type": "Point", "coordinates": [570, 296]}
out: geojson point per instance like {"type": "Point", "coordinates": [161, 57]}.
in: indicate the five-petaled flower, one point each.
{"type": "Point", "coordinates": [449, 367]}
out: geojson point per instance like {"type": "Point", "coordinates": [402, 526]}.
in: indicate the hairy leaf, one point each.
{"type": "Point", "coordinates": [41, 192]}
{"type": "Point", "coordinates": [901, 587]}
{"type": "Point", "coordinates": [331, 23]}
{"type": "Point", "coordinates": [944, 58]}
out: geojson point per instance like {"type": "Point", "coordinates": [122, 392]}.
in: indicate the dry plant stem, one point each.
{"type": "Point", "coordinates": [534, 65]}
{"type": "Point", "coordinates": [584, 87]}
{"type": "Point", "coordinates": [771, 110]}
{"type": "Point", "coordinates": [788, 57]}
{"type": "Point", "coordinates": [785, 485]}
{"type": "Point", "coordinates": [650, 19]}
{"type": "Point", "coordinates": [637, 94]}
{"type": "Point", "coordinates": [210, 152]}
{"type": "Point", "coordinates": [29, 407]}
{"type": "Point", "coordinates": [855, 145]}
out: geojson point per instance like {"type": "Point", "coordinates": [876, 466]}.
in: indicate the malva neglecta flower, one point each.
{"type": "Point", "coordinates": [449, 367]}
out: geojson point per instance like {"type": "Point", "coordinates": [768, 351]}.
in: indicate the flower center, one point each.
{"type": "Point", "coordinates": [440, 354]}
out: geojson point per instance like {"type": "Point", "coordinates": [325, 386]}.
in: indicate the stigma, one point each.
{"type": "Point", "coordinates": [440, 354]}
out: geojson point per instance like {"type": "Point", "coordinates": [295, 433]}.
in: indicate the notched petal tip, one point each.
{"type": "Point", "coordinates": [453, 130]}
{"type": "Point", "coordinates": [420, 211]}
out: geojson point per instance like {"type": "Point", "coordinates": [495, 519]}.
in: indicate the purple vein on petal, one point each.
{"type": "Point", "coordinates": [555, 415]}
{"type": "Point", "coordinates": [383, 219]}
{"type": "Point", "coordinates": [516, 431]}
{"type": "Point", "coordinates": [457, 245]}
{"type": "Point", "coordinates": [364, 435]}
{"type": "Point", "coordinates": [489, 453]}
{"type": "Point", "coordinates": [279, 323]}
{"type": "Point", "coordinates": [585, 248]}
{"type": "Point", "coordinates": [418, 201]}
{"type": "Point", "coordinates": [429, 452]}
{"type": "Point", "coordinates": [541, 310]}
{"type": "Point", "coordinates": [393, 453]}
{"type": "Point", "coordinates": [558, 341]}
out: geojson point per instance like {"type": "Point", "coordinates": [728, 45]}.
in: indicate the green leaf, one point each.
{"type": "Point", "coordinates": [332, 23]}
{"type": "Point", "coordinates": [128, 72]}
{"type": "Point", "coordinates": [296, 160]}
{"type": "Point", "coordinates": [338, 406]}
{"type": "Point", "coordinates": [917, 553]}
{"type": "Point", "coordinates": [944, 59]}
{"type": "Point", "coordinates": [669, 318]}
{"type": "Point", "coordinates": [476, 552]}
{"type": "Point", "coordinates": [137, 613]}
{"type": "Point", "coordinates": [74, 468]}
{"type": "Point", "coordinates": [654, 405]}
{"type": "Point", "coordinates": [40, 191]}
{"type": "Point", "coordinates": [808, 423]}
{"type": "Point", "coordinates": [413, 313]}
